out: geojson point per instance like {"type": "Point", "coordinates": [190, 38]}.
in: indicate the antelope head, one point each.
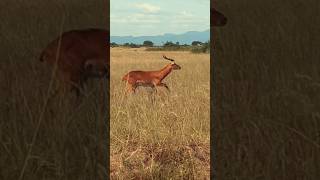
{"type": "Point", "coordinates": [173, 65]}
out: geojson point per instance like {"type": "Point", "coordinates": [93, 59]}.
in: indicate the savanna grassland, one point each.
{"type": "Point", "coordinates": [266, 102]}
{"type": "Point", "coordinates": [165, 134]}
{"type": "Point", "coordinates": [44, 136]}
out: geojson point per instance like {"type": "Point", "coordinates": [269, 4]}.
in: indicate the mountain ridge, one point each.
{"type": "Point", "coordinates": [184, 38]}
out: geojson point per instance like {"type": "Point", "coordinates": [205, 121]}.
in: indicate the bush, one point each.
{"type": "Point", "coordinates": [148, 43]}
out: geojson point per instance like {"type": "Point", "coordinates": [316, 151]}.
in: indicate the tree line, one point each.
{"type": "Point", "coordinates": [148, 43]}
{"type": "Point", "coordinates": [195, 47]}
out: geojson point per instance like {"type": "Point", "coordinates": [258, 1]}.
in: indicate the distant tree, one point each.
{"type": "Point", "coordinates": [148, 43]}
{"type": "Point", "coordinates": [196, 43]}
{"type": "Point", "coordinates": [207, 43]}
{"type": "Point", "coordinates": [113, 44]}
{"type": "Point", "coordinates": [132, 45]}
{"type": "Point", "coordinates": [204, 48]}
{"type": "Point", "coordinates": [177, 43]}
{"type": "Point", "coordinates": [169, 43]}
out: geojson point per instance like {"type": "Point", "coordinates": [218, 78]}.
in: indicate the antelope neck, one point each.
{"type": "Point", "coordinates": [165, 71]}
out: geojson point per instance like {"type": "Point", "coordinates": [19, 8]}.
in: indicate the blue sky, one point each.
{"type": "Point", "coordinates": [156, 17]}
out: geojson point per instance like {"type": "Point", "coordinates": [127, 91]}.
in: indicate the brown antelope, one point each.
{"type": "Point", "coordinates": [82, 54]}
{"type": "Point", "coordinates": [149, 78]}
{"type": "Point", "coordinates": [217, 18]}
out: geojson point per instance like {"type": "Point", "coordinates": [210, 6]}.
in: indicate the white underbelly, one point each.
{"type": "Point", "coordinates": [145, 84]}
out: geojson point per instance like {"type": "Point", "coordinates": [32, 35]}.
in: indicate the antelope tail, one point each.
{"type": "Point", "coordinates": [125, 77]}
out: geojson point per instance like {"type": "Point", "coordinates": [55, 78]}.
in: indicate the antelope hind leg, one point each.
{"type": "Point", "coordinates": [130, 88]}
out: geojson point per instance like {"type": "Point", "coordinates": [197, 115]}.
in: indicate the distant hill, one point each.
{"type": "Point", "coordinates": [185, 38]}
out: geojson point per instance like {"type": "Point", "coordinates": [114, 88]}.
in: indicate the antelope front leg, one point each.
{"type": "Point", "coordinates": [164, 85]}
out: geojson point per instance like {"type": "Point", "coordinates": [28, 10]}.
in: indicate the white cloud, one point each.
{"type": "Point", "coordinates": [148, 8]}
{"type": "Point", "coordinates": [136, 18]}
{"type": "Point", "coordinates": [188, 19]}
{"type": "Point", "coordinates": [143, 18]}
{"type": "Point", "coordinates": [186, 14]}
{"type": "Point", "coordinates": [117, 19]}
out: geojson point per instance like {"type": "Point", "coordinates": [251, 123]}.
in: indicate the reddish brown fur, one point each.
{"type": "Point", "coordinates": [217, 18]}
{"type": "Point", "coordinates": [82, 52]}
{"type": "Point", "coordinates": [149, 78]}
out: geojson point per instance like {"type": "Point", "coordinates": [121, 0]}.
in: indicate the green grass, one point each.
{"type": "Point", "coordinates": [194, 49]}
{"type": "Point", "coordinates": [169, 48]}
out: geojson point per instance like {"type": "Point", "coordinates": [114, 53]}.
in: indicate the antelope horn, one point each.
{"type": "Point", "coordinates": [165, 57]}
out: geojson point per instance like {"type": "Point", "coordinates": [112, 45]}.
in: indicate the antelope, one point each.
{"type": "Point", "coordinates": [82, 54]}
{"type": "Point", "coordinates": [150, 78]}
{"type": "Point", "coordinates": [217, 18]}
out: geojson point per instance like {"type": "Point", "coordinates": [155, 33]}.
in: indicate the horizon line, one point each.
{"type": "Point", "coordinates": [160, 34]}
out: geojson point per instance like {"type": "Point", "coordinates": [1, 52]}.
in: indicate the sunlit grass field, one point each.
{"type": "Point", "coordinates": [164, 134]}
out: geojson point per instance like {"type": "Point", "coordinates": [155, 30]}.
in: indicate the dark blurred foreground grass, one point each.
{"type": "Point", "coordinates": [65, 146]}
{"type": "Point", "coordinates": [267, 105]}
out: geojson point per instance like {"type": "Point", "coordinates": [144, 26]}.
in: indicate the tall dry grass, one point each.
{"type": "Point", "coordinates": [163, 135]}
{"type": "Point", "coordinates": [266, 101]}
